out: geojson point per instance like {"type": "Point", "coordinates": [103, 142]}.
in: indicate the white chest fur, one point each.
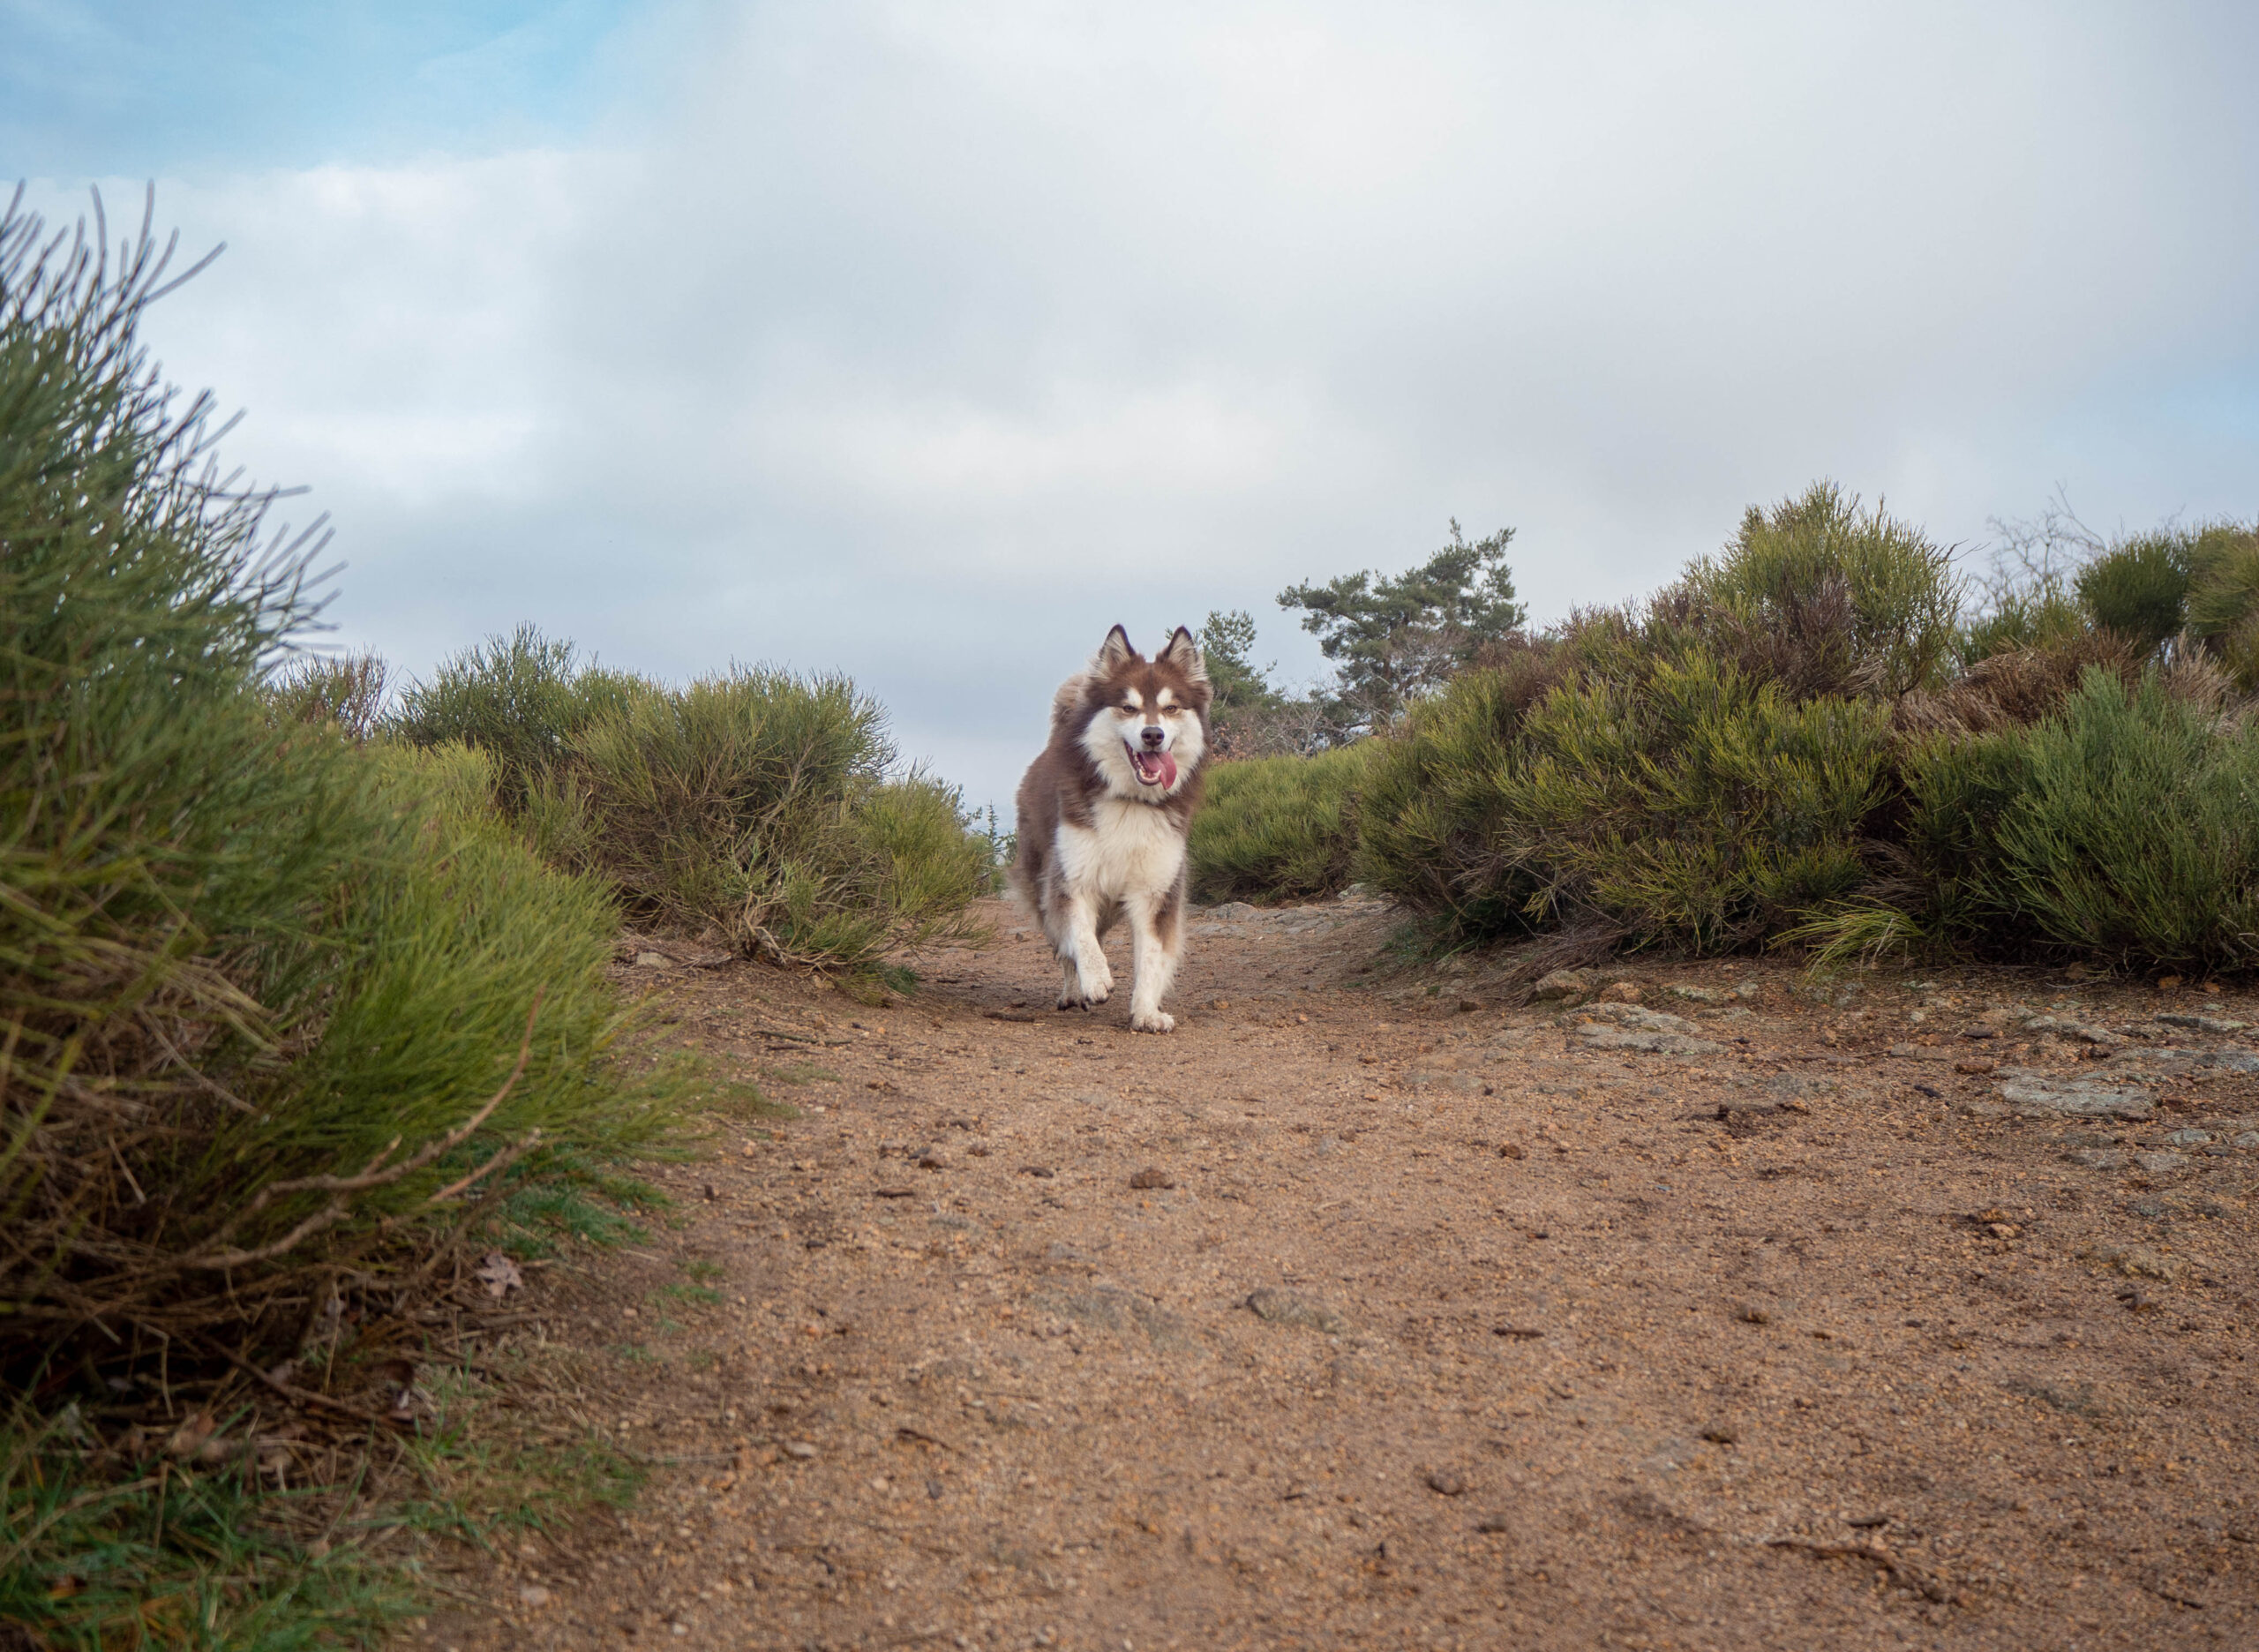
{"type": "Point", "coordinates": [1128, 849]}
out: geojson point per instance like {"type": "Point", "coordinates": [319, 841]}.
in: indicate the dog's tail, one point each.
{"type": "Point", "coordinates": [1065, 698]}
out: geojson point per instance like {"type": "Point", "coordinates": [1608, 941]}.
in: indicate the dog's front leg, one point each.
{"type": "Point", "coordinates": [1088, 980]}
{"type": "Point", "coordinates": [1156, 943]}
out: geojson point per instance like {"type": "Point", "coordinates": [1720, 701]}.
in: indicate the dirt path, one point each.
{"type": "Point", "coordinates": [1349, 1316]}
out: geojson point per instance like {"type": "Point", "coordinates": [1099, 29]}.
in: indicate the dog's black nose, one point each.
{"type": "Point", "coordinates": [1153, 736]}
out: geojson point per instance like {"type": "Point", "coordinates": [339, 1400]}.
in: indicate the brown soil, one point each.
{"type": "Point", "coordinates": [1365, 1311]}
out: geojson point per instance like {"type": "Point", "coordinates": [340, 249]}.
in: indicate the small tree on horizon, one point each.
{"type": "Point", "coordinates": [1393, 639]}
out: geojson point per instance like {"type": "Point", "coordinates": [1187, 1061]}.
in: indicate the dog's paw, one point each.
{"type": "Point", "coordinates": [1153, 1021]}
{"type": "Point", "coordinates": [1086, 995]}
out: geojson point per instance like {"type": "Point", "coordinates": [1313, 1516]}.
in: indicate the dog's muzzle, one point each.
{"type": "Point", "coordinates": [1154, 766]}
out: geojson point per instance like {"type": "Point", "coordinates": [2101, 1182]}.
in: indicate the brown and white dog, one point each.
{"type": "Point", "coordinates": [1104, 814]}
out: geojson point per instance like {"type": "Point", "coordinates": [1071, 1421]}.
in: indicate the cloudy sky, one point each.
{"type": "Point", "coordinates": [926, 341]}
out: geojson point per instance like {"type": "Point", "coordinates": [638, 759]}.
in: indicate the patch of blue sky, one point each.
{"type": "Point", "coordinates": [2222, 408]}
{"type": "Point", "coordinates": [186, 89]}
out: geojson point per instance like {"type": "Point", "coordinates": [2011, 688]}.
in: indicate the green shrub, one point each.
{"type": "Point", "coordinates": [1697, 808]}
{"type": "Point", "coordinates": [524, 698]}
{"type": "Point", "coordinates": [1820, 598]}
{"type": "Point", "coordinates": [2126, 827]}
{"type": "Point", "coordinates": [348, 691]}
{"type": "Point", "coordinates": [1632, 777]}
{"type": "Point", "coordinates": [2043, 617]}
{"type": "Point", "coordinates": [1800, 740]}
{"type": "Point", "coordinates": [758, 804]}
{"type": "Point", "coordinates": [2224, 598]}
{"type": "Point", "coordinates": [2139, 589]}
{"type": "Point", "coordinates": [1433, 825]}
{"type": "Point", "coordinates": [240, 956]}
{"type": "Point", "coordinates": [1277, 829]}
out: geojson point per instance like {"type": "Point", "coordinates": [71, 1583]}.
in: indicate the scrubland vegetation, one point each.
{"type": "Point", "coordinates": [1821, 737]}
{"type": "Point", "coordinates": [1277, 828]}
{"type": "Point", "coordinates": [763, 811]}
{"type": "Point", "coordinates": [303, 992]}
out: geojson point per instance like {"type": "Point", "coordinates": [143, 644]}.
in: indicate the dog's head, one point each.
{"type": "Point", "coordinates": [1144, 722]}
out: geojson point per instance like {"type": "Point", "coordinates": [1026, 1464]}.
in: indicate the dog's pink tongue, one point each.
{"type": "Point", "coordinates": [1155, 768]}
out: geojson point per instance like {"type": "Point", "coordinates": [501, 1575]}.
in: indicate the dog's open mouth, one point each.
{"type": "Point", "coordinates": [1154, 768]}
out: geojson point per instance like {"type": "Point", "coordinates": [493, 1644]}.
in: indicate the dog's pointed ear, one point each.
{"type": "Point", "coordinates": [1183, 653]}
{"type": "Point", "coordinates": [1112, 652]}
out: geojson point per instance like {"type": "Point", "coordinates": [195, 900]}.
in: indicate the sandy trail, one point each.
{"type": "Point", "coordinates": [1349, 1316]}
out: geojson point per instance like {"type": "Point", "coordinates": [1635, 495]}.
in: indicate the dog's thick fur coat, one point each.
{"type": "Point", "coordinates": [1104, 817]}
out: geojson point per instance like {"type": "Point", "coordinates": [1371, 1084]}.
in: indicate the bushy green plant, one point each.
{"type": "Point", "coordinates": [1277, 829]}
{"type": "Point", "coordinates": [1820, 596]}
{"type": "Point", "coordinates": [758, 804]}
{"type": "Point", "coordinates": [522, 697]}
{"type": "Point", "coordinates": [2126, 827]}
{"type": "Point", "coordinates": [2139, 589]}
{"type": "Point", "coordinates": [2038, 617]}
{"type": "Point", "coordinates": [322, 689]}
{"type": "Point", "coordinates": [1433, 825]}
{"type": "Point", "coordinates": [1695, 807]}
{"type": "Point", "coordinates": [2224, 598]}
{"type": "Point", "coordinates": [252, 976]}
{"type": "Point", "coordinates": [1632, 777]}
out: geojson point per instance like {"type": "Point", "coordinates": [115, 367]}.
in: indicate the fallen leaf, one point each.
{"type": "Point", "coordinates": [192, 1436]}
{"type": "Point", "coordinates": [500, 1273]}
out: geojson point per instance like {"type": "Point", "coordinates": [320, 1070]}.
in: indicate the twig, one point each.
{"type": "Point", "coordinates": [507, 1156]}
{"type": "Point", "coordinates": [204, 1081]}
{"type": "Point", "coordinates": [370, 1177]}
{"type": "Point", "coordinates": [139, 1197]}
{"type": "Point", "coordinates": [906, 1432]}
{"type": "Point", "coordinates": [306, 1396]}
{"type": "Point", "coordinates": [1921, 1582]}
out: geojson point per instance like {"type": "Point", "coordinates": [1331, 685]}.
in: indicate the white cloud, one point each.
{"type": "Point", "coordinates": [925, 341]}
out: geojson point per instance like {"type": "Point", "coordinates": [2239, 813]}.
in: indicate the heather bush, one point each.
{"type": "Point", "coordinates": [2126, 827]}
{"type": "Point", "coordinates": [1695, 807]}
{"type": "Point", "coordinates": [266, 991]}
{"type": "Point", "coordinates": [522, 698]}
{"type": "Point", "coordinates": [1277, 829]}
{"type": "Point", "coordinates": [1820, 598]}
{"type": "Point", "coordinates": [348, 691]}
{"type": "Point", "coordinates": [2138, 590]}
{"type": "Point", "coordinates": [1435, 830]}
{"type": "Point", "coordinates": [762, 807]}
{"type": "Point", "coordinates": [2224, 599]}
